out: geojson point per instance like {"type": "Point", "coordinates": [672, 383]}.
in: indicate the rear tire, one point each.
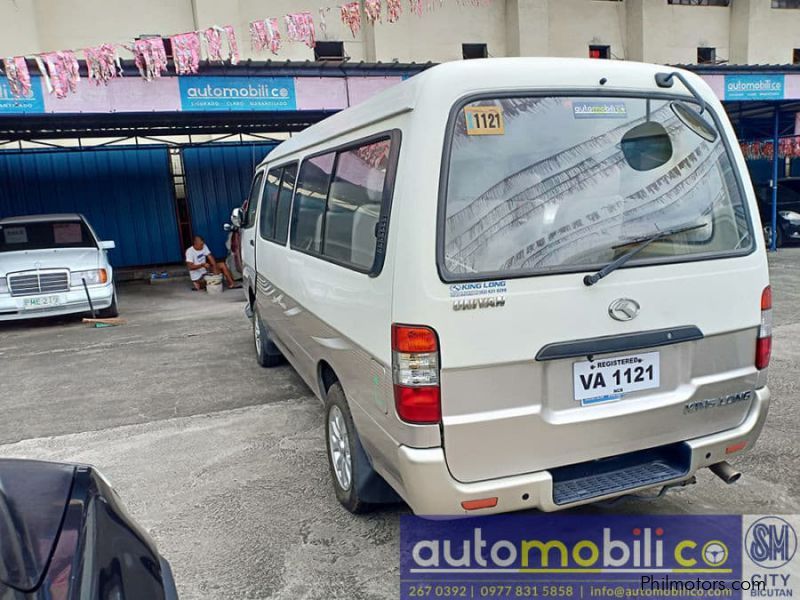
{"type": "Point", "coordinates": [358, 487]}
{"type": "Point", "coordinates": [112, 311]}
{"type": "Point", "coordinates": [267, 353]}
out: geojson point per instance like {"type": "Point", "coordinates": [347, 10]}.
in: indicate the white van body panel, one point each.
{"type": "Point", "coordinates": [508, 419]}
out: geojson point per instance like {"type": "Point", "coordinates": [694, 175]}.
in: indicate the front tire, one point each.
{"type": "Point", "coordinates": [768, 236]}
{"type": "Point", "coordinates": [267, 353]}
{"type": "Point", "coordinates": [112, 311]}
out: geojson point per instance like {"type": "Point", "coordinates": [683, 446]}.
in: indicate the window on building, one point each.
{"type": "Point", "coordinates": [596, 51]}
{"type": "Point", "coordinates": [474, 51]}
{"type": "Point", "coordinates": [796, 56]}
{"type": "Point", "coordinates": [252, 200]}
{"type": "Point", "coordinates": [700, 2]}
{"type": "Point", "coordinates": [329, 51]}
{"type": "Point", "coordinates": [339, 202]}
{"type": "Point", "coordinates": [785, 3]}
{"type": "Point", "coordinates": [309, 202]}
{"type": "Point", "coordinates": [706, 55]}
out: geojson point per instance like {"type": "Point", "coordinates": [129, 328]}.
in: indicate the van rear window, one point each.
{"type": "Point", "coordinates": [561, 184]}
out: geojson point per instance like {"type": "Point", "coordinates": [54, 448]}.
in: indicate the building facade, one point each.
{"type": "Point", "coordinates": [661, 31]}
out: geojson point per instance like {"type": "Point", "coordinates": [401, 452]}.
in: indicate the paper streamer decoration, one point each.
{"type": "Point", "coordinates": [416, 7]}
{"type": "Point", "coordinates": [300, 27]}
{"type": "Point", "coordinates": [102, 63]}
{"type": "Point", "coordinates": [373, 10]}
{"type": "Point", "coordinates": [62, 74]}
{"type": "Point", "coordinates": [323, 23]}
{"type": "Point", "coordinates": [265, 35]}
{"type": "Point", "coordinates": [351, 17]}
{"type": "Point", "coordinates": [393, 10]}
{"type": "Point", "coordinates": [150, 57]}
{"type": "Point", "coordinates": [18, 76]}
{"type": "Point", "coordinates": [233, 45]}
{"type": "Point", "coordinates": [186, 52]}
{"type": "Point", "coordinates": [213, 37]}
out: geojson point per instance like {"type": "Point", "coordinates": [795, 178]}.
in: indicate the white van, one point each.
{"type": "Point", "coordinates": [517, 283]}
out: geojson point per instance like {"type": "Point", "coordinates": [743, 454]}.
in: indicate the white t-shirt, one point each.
{"type": "Point", "coordinates": [197, 257]}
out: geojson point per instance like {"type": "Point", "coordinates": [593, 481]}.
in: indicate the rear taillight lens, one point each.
{"type": "Point", "coordinates": [415, 371]}
{"type": "Point", "coordinates": [764, 342]}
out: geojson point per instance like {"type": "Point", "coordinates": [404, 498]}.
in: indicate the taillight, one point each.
{"type": "Point", "coordinates": [415, 371]}
{"type": "Point", "coordinates": [764, 342]}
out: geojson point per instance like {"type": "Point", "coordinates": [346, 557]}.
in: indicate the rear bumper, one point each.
{"type": "Point", "coordinates": [73, 301]}
{"type": "Point", "coordinates": [429, 488]}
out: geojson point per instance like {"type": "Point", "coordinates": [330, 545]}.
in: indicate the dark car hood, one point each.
{"type": "Point", "coordinates": [33, 500]}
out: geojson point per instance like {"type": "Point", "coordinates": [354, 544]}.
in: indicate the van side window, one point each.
{"type": "Point", "coordinates": [252, 200]}
{"type": "Point", "coordinates": [354, 204]}
{"type": "Point", "coordinates": [309, 204]}
{"type": "Point", "coordinates": [284, 207]}
{"type": "Point", "coordinates": [269, 200]}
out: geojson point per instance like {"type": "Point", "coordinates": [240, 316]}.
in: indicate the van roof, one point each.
{"type": "Point", "coordinates": [459, 78]}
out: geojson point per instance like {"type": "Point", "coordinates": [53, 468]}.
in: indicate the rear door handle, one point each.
{"type": "Point", "coordinates": [252, 243]}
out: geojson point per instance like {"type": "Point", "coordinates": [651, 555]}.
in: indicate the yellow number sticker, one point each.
{"type": "Point", "coordinates": [484, 120]}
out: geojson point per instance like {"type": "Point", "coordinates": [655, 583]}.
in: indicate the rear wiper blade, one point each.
{"type": "Point", "coordinates": [640, 244]}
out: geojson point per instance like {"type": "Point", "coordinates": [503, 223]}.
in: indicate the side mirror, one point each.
{"type": "Point", "coordinates": [109, 245]}
{"type": "Point", "coordinates": [237, 217]}
{"type": "Point", "coordinates": [228, 227]}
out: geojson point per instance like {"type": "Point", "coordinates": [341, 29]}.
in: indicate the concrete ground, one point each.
{"type": "Point", "coordinates": [224, 462]}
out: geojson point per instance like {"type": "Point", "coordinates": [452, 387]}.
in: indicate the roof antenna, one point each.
{"type": "Point", "coordinates": [664, 80]}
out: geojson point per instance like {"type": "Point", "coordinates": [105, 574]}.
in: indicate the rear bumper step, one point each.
{"type": "Point", "coordinates": [597, 478]}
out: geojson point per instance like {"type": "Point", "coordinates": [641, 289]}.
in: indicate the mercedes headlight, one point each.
{"type": "Point", "coordinates": [791, 216]}
{"type": "Point", "coordinates": [93, 277]}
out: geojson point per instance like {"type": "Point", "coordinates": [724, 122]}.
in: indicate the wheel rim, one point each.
{"type": "Point", "coordinates": [339, 447]}
{"type": "Point", "coordinates": [257, 334]}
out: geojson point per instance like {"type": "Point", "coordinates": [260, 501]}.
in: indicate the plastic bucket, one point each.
{"type": "Point", "coordinates": [214, 284]}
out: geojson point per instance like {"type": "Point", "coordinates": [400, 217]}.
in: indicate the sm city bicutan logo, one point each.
{"type": "Point", "coordinates": [637, 550]}
{"type": "Point", "coordinates": [770, 542]}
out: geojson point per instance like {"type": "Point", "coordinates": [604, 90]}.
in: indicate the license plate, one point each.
{"type": "Point", "coordinates": [607, 379]}
{"type": "Point", "coordinates": [41, 302]}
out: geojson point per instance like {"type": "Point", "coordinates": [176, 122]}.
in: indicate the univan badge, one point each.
{"type": "Point", "coordinates": [479, 294]}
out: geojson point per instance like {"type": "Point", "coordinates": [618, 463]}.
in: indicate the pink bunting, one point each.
{"type": "Point", "coordinates": [102, 63]}
{"type": "Point", "coordinates": [150, 57]}
{"type": "Point", "coordinates": [373, 10]}
{"type": "Point", "coordinates": [213, 37]}
{"type": "Point", "coordinates": [265, 35]}
{"type": "Point", "coordinates": [63, 72]}
{"type": "Point", "coordinates": [416, 7]}
{"type": "Point", "coordinates": [393, 10]}
{"type": "Point", "coordinates": [233, 46]}
{"type": "Point", "coordinates": [19, 78]}
{"type": "Point", "coordinates": [300, 28]}
{"type": "Point", "coordinates": [351, 16]}
{"type": "Point", "coordinates": [186, 52]}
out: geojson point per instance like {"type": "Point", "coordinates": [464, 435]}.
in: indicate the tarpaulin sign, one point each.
{"type": "Point", "coordinates": [596, 556]}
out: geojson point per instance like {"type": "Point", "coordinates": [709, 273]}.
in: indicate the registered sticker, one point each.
{"type": "Point", "coordinates": [484, 120]}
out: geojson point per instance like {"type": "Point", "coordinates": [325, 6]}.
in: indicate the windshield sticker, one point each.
{"type": "Point", "coordinates": [484, 120]}
{"type": "Point", "coordinates": [598, 110]}
{"type": "Point", "coordinates": [67, 233]}
{"type": "Point", "coordinates": [481, 294]}
{"type": "Point", "coordinates": [15, 235]}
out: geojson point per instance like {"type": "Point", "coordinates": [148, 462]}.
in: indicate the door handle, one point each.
{"type": "Point", "coordinates": [252, 243]}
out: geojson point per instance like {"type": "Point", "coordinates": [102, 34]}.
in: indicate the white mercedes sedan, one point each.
{"type": "Point", "coordinates": [53, 265]}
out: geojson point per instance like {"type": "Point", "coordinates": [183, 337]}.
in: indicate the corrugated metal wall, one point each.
{"type": "Point", "coordinates": [217, 180]}
{"type": "Point", "coordinates": [126, 194]}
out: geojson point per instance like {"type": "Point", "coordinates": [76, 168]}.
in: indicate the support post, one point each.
{"type": "Point", "coordinates": [773, 246]}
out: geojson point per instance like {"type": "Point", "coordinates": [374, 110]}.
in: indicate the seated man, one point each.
{"type": "Point", "coordinates": [201, 262]}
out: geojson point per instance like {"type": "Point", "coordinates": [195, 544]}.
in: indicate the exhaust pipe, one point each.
{"type": "Point", "coordinates": [726, 472]}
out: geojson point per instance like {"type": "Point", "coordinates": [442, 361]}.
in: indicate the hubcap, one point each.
{"type": "Point", "coordinates": [257, 333]}
{"type": "Point", "coordinates": [339, 447]}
